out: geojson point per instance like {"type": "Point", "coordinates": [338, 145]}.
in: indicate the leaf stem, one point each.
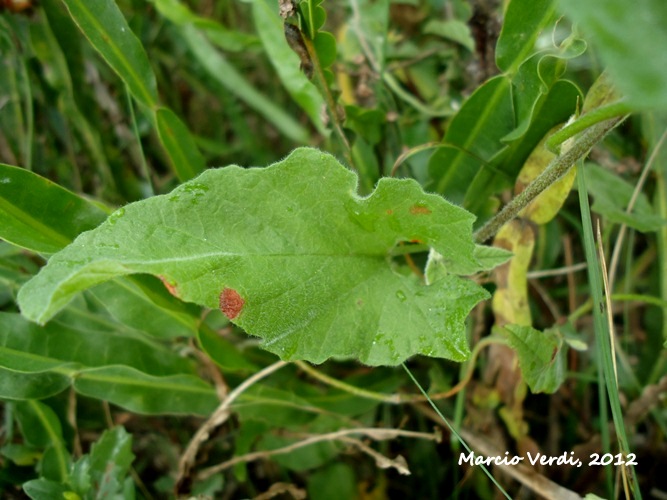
{"type": "Point", "coordinates": [328, 97]}
{"type": "Point", "coordinates": [558, 167]}
{"type": "Point", "coordinates": [587, 120]}
{"type": "Point", "coordinates": [403, 398]}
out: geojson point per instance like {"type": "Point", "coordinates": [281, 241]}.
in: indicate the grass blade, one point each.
{"type": "Point", "coordinates": [102, 22]}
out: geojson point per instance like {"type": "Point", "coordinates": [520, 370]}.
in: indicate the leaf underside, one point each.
{"type": "Point", "coordinates": [292, 255]}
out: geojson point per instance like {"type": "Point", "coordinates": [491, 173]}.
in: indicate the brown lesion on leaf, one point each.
{"type": "Point", "coordinates": [170, 285]}
{"type": "Point", "coordinates": [420, 210]}
{"type": "Point", "coordinates": [231, 303]}
{"type": "Point", "coordinates": [389, 211]}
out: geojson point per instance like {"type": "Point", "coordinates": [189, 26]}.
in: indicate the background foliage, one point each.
{"type": "Point", "coordinates": [125, 390]}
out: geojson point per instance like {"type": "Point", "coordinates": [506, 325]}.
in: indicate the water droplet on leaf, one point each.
{"type": "Point", "coordinates": [113, 218]}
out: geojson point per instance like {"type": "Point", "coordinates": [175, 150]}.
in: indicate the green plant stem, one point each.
{"type": "Point", "coordinates": [135, 128]}
{"type": "Point", "coordinates": [404, 398]}
{"type": "Point", "coordinates": [30, 117]}
{"type": "Point", "coordinates": [608, 112]}
{"type": "Point", "coordinates": [452, 429]}
{"type": "Point", "coordinates": [396, 87]}
{"type": "Point", "coordinates": [328, 98]}
{"type": "Point", "coordinates": [558, 167]}
{"type": "Point", "coordinates": [603, 339]}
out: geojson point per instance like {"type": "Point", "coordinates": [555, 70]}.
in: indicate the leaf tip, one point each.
{"type": "Point", "coordinates": [231, 303]}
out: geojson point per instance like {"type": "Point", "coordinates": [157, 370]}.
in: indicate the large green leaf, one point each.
{"type": "Point", "coordinates": [631, 38]}
{"type": "Point", "coordinates": [307, 268]}
{"type": "Point", "coordinates": [39, 215]}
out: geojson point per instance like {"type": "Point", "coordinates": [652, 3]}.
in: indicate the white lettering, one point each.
{"type": "Point", "coordinates": [463, 458]}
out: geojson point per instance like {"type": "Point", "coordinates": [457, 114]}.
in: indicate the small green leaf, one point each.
{"type": "Point", "coordinates": [223, 352]}
{"type": "Point", "coordinates": [313, 15]}
{"type": "Point", "coordinates": [541, 357]}
{"type": "Point", "coordinates": [336, 480]}
{"type": "Point", "coordinates": [325, 46]}
{"type": "Point", "coordinates": [20, 454]}
{"type": "Point", "coordinates": [611, 196]}
{"type": "Point", "coordinates": [451, 29]}
{"type": "Point", "coordinates": [491, 257]}
{"type": "Point", "coordinates": [39, 215]}
{"type": "Point", "coordinates": [41, 428]}
{"type": "Point", "coordinates": [110, 460]}
{"type": "Point", "coordinates": [306, 269]}
{"type": "Point", "coordinates": [102, 22]}
{"type": "Point", "coordinates": [38, 489]}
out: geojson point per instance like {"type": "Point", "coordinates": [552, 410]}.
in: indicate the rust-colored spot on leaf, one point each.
{"type": "Point", "coordinates": [231, 303]}
{"type": "Point", "coordinates": [420, 210]}
{"type": "Point", "coordinates": [170, 285]}
{"type": "Point", "coordinates": [389, 211]}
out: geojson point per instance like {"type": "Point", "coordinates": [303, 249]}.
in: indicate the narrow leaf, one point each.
{"type": "Point", "coordinates": [145, 304]}
{"type": "Point", "coordinates": [38, 489]}
{"type": "Point", "coordinates": [41, 428]}
{"type": "Point", "coordinates": [611, 196]}
{"type": "Point", "coordinates": [142, 393]}
{"type": "Point", "coordinates": [39, 215]}
{"type": "Point", "coordinates": [25, 376]}
{"type": "Point", "coordinates": [185, 158]}
{"type": "Point", "coordinates": [473, 138]}
{"type": "Point", "coordinates": [523, 23]}
{"type": "Point", "coordinates": [541, 357]}
{"type": "Point", "coordinates": [102, 22]}
{"type": "Point", "coordinates": [306, 269]}
{"type": "Point", "coordinates": [231, 79]}
{"type": "Point", "coordinates": [269, 26]}
{"type": "Point", "coordinates": [80, 337]}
